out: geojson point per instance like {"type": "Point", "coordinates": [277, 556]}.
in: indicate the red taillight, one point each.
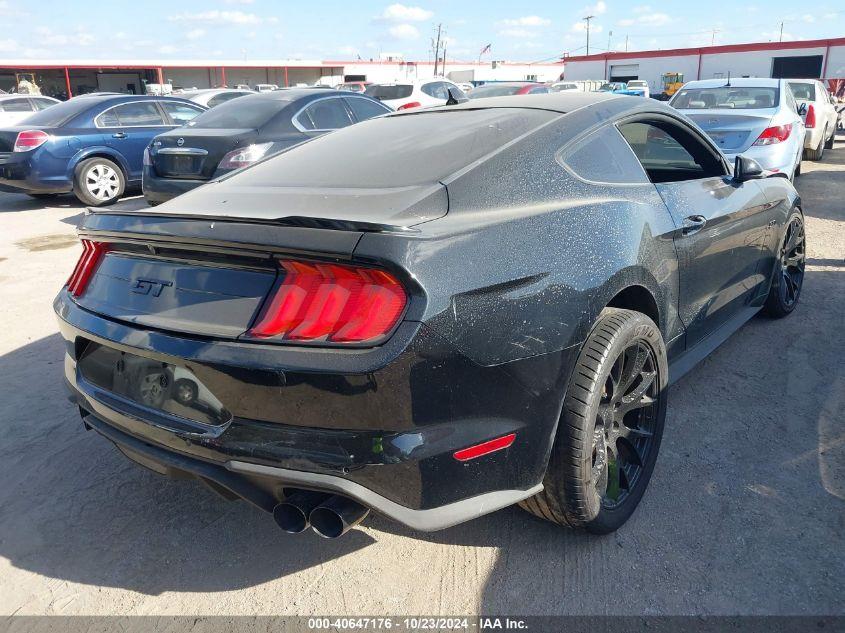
{"type": "Point", "coordinates": [409, 105]}
{"type": "Point", "coordinates": [810, 119]}
{"type": "Point", "coordinates": [774, 134]}
{"type": "Point", "coordinates": [92, 254]}
{"type": "Point", "coordinates": [333, 303]}
{"type": "Point", "coordinates": [484, 448]}
{"type": "Point", "coordinates": [29, 140]}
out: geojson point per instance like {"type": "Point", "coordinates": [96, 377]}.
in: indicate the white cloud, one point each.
{"type": "Point", "coordinates": [808, 18]}
{"type": "Point", "coordinates": [647, 19]}
{"type": "Point", "coordinates": [518, 33]}
{"type": "Point", "coordinates": [401, 13]}
{"type": "Point", "coordinates": [195, 34]}
{"type": "Point", "coordinates": [349, 51]}
{"type": "Point", "coordinates": [167, 49]}
{"type": "Point", "coordinates": [48, 37]}
{"type": "Point", "coordinates": [239, 1]}
{"type": "Point", "coordinates": [8, 46]}
{"type": "Point", "coordinates": [221, 17]}
{"type": "Point", "coordinates": [598, 8]}
{"type": "Point", "coordinates": [581, 26]}
{"type": "Point", "coordinates": [528, 20]}
{"type": "Point", "coordinates": [404, 32]}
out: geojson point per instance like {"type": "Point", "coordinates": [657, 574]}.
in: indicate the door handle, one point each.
{"type": "Point", "coordinates": [119, 135]}
{"type": "Point", "coordinates": [693, 224]}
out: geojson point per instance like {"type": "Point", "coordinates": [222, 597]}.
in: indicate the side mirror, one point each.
{"type": "Point", "coordinates": [747, 169]}
{"type": "Point", "coordinates": [802, 109]}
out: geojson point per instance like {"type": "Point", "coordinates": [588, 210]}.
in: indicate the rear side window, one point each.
{"type": "Point", "coordinates": [437, 89]}
{"type": "Point", "coordinates": [41, 104]}
{"type": "Point", "coordinates": [324, 114]}
{"type": "Point", "coordinates": [603, 157]}
{"type": "Point", "coordinates": [401, 91]}
{"type": "Point", "coordinates": [60, 113]}
{"type": "Point", "coordinates": [539, 90]}
{"type": "Point", "coordinates": [670, 154]}
{"type": "Point", "coordinates": [15, 105]}
{"type": "Point", "coordinates": [181, 113]}
{"type": "Point", "coordinates": [364, 109]}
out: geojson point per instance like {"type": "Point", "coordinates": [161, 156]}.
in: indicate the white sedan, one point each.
{"type": "Point", "coordinates": [14, 108]}
{"type": "Point", "coordinates": [818, 109]}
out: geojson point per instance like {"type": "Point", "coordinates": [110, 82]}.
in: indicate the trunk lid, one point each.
{"type": "Point", "coordinates": [733, 132]}
{"type": "Point", "coordinates": [9, 134]}
{"type": "Point", "coordinates": [193, 154]}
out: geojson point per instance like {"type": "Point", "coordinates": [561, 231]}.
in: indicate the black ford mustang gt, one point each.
{"type": "Point", "coordinates": [432, 315]}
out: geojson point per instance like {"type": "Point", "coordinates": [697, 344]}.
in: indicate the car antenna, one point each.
{"type": "Point", "coordinates": [728, 85]}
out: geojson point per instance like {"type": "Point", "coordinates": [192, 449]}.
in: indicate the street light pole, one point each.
{"type": "Point", "coordinates": [587, 20]}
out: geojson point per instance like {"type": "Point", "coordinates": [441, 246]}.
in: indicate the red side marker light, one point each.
{"type": "Point", "coordinates": [490, 446]}
{"type": "Point", "coordinates": [409, 105]}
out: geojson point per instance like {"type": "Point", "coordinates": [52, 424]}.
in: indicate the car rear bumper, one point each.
{"type": "Point", "coordinates": [157, 189]}
{"type": "Point", "coordinates": [813, 137]}
{"type": "Point", "coordinates": [782, 158]}
{"type": "Point", "coordinates": [21, 173]}
{"type": "Point", "coordinates": [379, 426]}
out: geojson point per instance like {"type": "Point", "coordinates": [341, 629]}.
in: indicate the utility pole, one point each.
{"type": "Point", "coordinates": [780, 39]}
{"type": "Point", "coordinates": [626, 43]}
{"type": "Point", "coordinates": [713, 38]}
{"type": "Point", "coordinates": [587, 20]}
{"type": "Point", "coordinates": [609, 35]}
{"type": "Point", "coordinates": [437, 50]}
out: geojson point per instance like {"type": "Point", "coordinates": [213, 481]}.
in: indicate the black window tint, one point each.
{"type": "Point", "coordinates": [16, 105]}
{"type": "Point", "coordinates": [670, 154]}
{"type": "Point", "coordinates": [181, 113]}
{"type": "Point", "coordinates": [42, 104]}
{"type": "Point", "coordinates": [438, 90]}
{"type": "Point", "coordinates": [139, 114]}
{"type": "Point", "coordinates": [108, 119]}
{"type": "Point", "coordinates": [604, 156]}
{"type": "Point", "coordinates": [251, 112]}
{"type": "Point", "coordinates": [803, 91]}
{"type": "Point", "coordinates": [60, 113]}
{"type": "Point", "coordinates": [539, 90]}
{"type": "Point", "coordinates": [388, 92]}
{"type": "Point", "coordinates": [223, 97]}
{"type": "Point", "coordinates": [326, 114]}
{"type": "Point", "coordinates": [365, 109]}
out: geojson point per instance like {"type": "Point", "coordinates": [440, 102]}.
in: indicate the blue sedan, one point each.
{"type": "Point", "coordinates": [92, 146]}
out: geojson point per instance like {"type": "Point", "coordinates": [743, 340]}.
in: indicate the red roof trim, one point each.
{"type": "Point", "coordinates": [711, 50]}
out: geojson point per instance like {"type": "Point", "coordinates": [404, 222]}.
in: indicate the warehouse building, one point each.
{"type": "Point", "coordinates": [818, 59]}
{"type": "Point", "coordinates": [62, 78]}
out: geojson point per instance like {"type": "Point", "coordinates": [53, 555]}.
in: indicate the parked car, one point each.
{"type": "Point", "coordinates": [244, 87]}
{"type": "Point", "coordinates": [354, 86]}
{"type": "Point", "coordinates": [240, 132]}
{"type": "Point", "coordinates": [15, 108]}
{"type": "Point", "coordinates": [505, 88]}
{"type": "Point", "coordinates": [432, 314]}
{"type": "Point", "coordinates": [638, 87]}
{"type": "Point", "coordinates": [92, 146]}
{"type": "Point", "coordinates": [414, 94]}
{"type": "Point", "coordinates": [214, 96]}
{"type": "Point", "coordinates": [564, 86]}
{"type": "Point", "coordinates": [613, 86]}
{"type": "Point", "coordinates": [265, 87]}
{"type": "Point", "coordinates": [817, 109]}
{"type": "Point", "coordinates": [465, 86]}
{"type": "Point", "coordinates": [755, 117]}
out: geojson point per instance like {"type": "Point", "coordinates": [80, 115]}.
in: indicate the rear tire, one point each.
{"type": "Point", "coordinates": [816, 154]}
{"type": "Point", "coordinates": [98, 182]}
{"type": "Point", "coordinates": [829, 142]}
{"type": "Point", "coordinates": [610, 427]}
{"type": "Point", "coordinates": [788, 276]}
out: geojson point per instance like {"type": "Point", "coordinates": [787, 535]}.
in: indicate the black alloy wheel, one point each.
{"type": "Point", "coordinates": [789, 269]}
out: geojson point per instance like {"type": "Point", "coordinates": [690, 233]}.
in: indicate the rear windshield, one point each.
{"type": "Point", "coordinates": [396, 151]}
{"type": "Point", "coordinates": [60, 113]}
{"type": "Point", "coordinates": [492, 90]}
{"type": "Point", "coordinates": [250, 112]}
{"type": "Point", "coordinates": [803, 92]}
{"type": "Point", "coordinates": [401, 91]}
{"type": "Point", "coordinates": [726, 97]}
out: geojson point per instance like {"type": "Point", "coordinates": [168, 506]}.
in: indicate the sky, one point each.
{"type": "Point", "coordinates": [533, 30]}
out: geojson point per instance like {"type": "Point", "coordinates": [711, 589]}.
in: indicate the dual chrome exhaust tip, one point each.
{"type": "Point", "coordinates": [330, 516]}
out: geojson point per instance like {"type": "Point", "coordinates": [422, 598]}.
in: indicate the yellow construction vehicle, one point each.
{"type": "Point", "coordinates": [672, 82]}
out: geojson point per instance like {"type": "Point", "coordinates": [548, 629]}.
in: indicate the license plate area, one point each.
{"type": "Point", "coordinates": [173, 392]}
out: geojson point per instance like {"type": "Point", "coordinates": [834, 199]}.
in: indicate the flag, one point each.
{"type": "Point", "coordinates": [486, 49]}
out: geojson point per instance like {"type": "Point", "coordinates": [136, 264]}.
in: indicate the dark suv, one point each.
{"type": "Point", "coordinates": [432, 314]}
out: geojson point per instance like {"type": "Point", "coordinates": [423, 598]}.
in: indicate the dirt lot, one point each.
{"type": "Point", "coordinates": [745, 514]}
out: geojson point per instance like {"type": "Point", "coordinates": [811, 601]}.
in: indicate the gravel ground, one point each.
{"type": "Point", "coordinates": [745, 513]}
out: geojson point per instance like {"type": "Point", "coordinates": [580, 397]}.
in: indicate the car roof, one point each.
{"type": "Point", "coordinates": [562, 102]}
{"type": "Point", "coordinates": [511, 83]}
{"type": "Point", "coordinates": [16, 95]}
{"type": "Point", "coordinates": [738, 82]}
{"type": "Point", "coordinates": [207, 91]}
